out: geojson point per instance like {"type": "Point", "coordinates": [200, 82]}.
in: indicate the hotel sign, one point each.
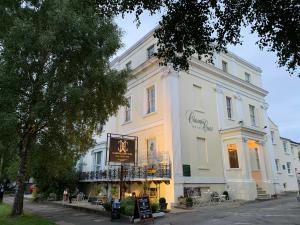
{"type": "Point", "coordinates": [194, 118]}
{"type": "Point", "coordinates": [121, 150]}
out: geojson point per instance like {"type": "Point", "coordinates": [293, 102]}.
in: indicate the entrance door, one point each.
{"type": "Point", "coordinates": [255, 165]}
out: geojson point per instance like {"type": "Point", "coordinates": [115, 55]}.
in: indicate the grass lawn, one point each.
{"type": "Point", "coordinates": [26, 219]}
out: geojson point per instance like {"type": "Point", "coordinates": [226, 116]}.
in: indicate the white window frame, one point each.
{"type": "Point", "coordinates": [97, 166]}
{"type": "Point", "coordinates": [146, 99]}
{"type": "Point", "coordinates": [126, 110]}
{"type": "Point", "coordinates": [272, 136]}
{"type": "Point", "coordinates": [150, 54]}
{"type": "Point", "coordinates": [277, 164]}
{"type": "Point", "coordinates": [129, 65]}
{"type": "Point", "coordinates": [285, 148]}
{"type": "Point", "coordinates": [252, 113]}
{"type": "Point", "coordinates": [224, 66]}
{"type": "Point", "coordinates": [247, 77]}
{"type": "Point", "coordinates": [230, 109]}
{"type": "Point", "coordinates": [289, 168]}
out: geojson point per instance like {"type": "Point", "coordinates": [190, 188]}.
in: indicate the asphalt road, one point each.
{"type": "Point", "coordinates": [283, 211]}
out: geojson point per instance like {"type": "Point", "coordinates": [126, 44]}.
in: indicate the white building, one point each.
{"type": "Point", "coordinates": [207, 128]}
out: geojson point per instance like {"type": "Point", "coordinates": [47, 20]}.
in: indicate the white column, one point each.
{"type": "Point", "coordinates": [262, 162]}
{"type": "Point", "coordinates": [247, 166]}
{"type": "Point", "coordinates": [172, 135]}
{"type": "Point", "coordinates": [269, 150]}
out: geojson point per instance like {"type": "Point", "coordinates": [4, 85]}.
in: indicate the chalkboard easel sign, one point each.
{"type": "Point", "coordinates": [143, 209]}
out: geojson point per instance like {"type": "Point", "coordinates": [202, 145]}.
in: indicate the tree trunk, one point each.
{"type": "Point", "coordinates": [20, 186]}
{"type": "Point", "coordinates": [1, 167]}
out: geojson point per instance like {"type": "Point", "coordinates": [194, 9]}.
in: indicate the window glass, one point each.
{"type": "Point", "coordinates": [229, 107]}
{"type": "Point", "coordinates": [233, 156]}
{"type": "Point", "coordinates": [224, 66]}
{"type": "Point", "coordinates": [247, 77]}
{"type": "Point", "coordinates": [252, 115]}
{"type": "Point", "coordinates": [150, 52]}
{"type": "Point", "coordinates": [129, 65]}
{"type": "Point", "coordinates": [151, 99]}
{"type": "Point", "coordinates": [128, 110]}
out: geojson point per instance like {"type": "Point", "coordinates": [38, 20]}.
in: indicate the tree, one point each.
{"type": "Point", "coordinates": [207, 26]}
{"type": "Point", "coordinates": [56, 85]}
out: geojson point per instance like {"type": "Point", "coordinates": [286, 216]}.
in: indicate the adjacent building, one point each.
{"type": "Point", "coordinates": [198, 130]}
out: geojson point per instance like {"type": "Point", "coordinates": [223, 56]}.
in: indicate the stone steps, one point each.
{"type": "Point", "coordinates": [262, 194]}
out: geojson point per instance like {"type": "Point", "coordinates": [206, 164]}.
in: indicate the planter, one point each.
{"type": "Point", "coordinates": [163, 206]}
{"type": "Point", "coordinates": [189, 204]}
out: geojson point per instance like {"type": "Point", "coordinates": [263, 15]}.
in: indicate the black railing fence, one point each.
{"type": "Point", "coordinates": [113, 173]}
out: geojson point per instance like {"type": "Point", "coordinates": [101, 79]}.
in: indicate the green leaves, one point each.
{"type": "Point", "coordinates": [56, 85]}
{"type": "Point", "coordinates": [207, 26]}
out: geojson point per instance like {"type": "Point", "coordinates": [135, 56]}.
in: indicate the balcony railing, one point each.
{"type": "Point", "coordinates": [130, 173]}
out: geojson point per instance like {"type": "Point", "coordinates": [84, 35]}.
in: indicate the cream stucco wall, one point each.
{"type": "Point", "coordinates": [200, 140]}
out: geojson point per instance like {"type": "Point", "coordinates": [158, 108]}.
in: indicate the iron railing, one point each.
{"type": "Point", "coordinates": [113, 173]}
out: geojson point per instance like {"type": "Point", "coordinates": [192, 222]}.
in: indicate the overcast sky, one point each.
{"type": "Point", "coordinates": [284, 90]}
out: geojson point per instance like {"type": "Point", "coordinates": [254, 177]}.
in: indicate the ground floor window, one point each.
{"type": "Point", "coordinates": [233, 156]}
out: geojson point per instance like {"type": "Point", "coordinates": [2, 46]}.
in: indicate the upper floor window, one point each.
{"type": "Point", "coordinates": [128, 110]}
{"type": "Point", "coordinates": [98, 160]}
{"type": "Point", "coordinates": [252, 115]}
{"type": "Point", "coordinates": [233, 156]}
{"type": "Point", "coordinates": [224, 66]}
{"type": "Point", "coordinates": [248, 77]}
{"type": "Point", "coordinates": [272, 136]}
{"type": "Point", "coordinates": [150, 52]}
{"type": "Point", "coordinates": [292, 150]}
{"type": "Point", "coordinates": [197, 95]}
{"type": "Point", "coordinates": [151, 99]}
{"type": "Point", "coordinates": [229, 107]}
{"type": "Point", "coordinates": [277, 164]}
{"type": "Point", "coordinates": [289, 167]}
{"type": "Point", "coordinates": [129, 65]}
{"type": "Point", "coordinates": [285, 146]}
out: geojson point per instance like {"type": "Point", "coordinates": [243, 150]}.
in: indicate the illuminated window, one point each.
{"type": "Point", "coordinates": [224, 66]}
{"type": "Point", "coordinates": [128, 110]}
{"type": "Point", "coordinates": [151, 99]}
{"type": "Point", "coordinates": [247, 77]}
{"type": "Point", "coordinates": [233, 156]}
{"type": "Point", "coordinates": [150, 52]}
{"type": "Point", "coordinates": [229, 107]}
{"type": "Point", "coordinates": [252, 115]}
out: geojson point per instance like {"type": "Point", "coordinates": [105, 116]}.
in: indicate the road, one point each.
{"type": "Point", "coordinates": [283, 211]}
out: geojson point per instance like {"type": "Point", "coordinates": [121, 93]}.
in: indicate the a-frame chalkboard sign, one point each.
{"type": "Point", "coordinates": [142, 210]}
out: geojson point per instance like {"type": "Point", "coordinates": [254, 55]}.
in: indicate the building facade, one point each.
{"type": "Point", "coordinates": [204, 129]}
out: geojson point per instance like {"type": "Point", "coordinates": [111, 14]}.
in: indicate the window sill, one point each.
{"type": "Point", "coordinates": [278, 172]}
{"type": "Point", "coordinates": [201, 168]}
{"type": "Point", "coordinates": [149, 114]}
{"type": "Point", "coordinates": [291, 174]}
{"type": "Point", "coordinates": [286, 153]}
{"type": "Point", "coordinates": [127, 122]}
{"type": "Point", "coordinates": [234, 169]}
{"type": "Point", "coordinates": [231, 119]}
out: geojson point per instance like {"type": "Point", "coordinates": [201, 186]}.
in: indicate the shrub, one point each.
{"type": "Point", "coordinates": [189, 200]}
{"type": "Point", "coordinates": [107, 206]}
{"type": "Point", "coordinates": [162, 200]}
{"type": "Point", "coordinates": [129, 210]}
{"type": "Point", "coordinates": [154, 207]}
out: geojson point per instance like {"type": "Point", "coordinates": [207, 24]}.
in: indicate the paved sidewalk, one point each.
{"type": "Point", "coordinates": [62, 215]}
{"type": "Point", "coordinates": [282, 211]}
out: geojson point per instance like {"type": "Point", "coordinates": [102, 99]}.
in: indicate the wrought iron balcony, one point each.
{"type": "Point", "coordinates": [130, 173]}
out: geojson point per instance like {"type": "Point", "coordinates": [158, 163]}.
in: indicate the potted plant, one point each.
{"type": "Point", "coordinates": [189, 202]}
{"type": "Point", "coordinates": [162, 204]}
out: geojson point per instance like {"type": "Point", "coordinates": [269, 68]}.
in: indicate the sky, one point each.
{"type": "Point", "coordinates": [284, 90]}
